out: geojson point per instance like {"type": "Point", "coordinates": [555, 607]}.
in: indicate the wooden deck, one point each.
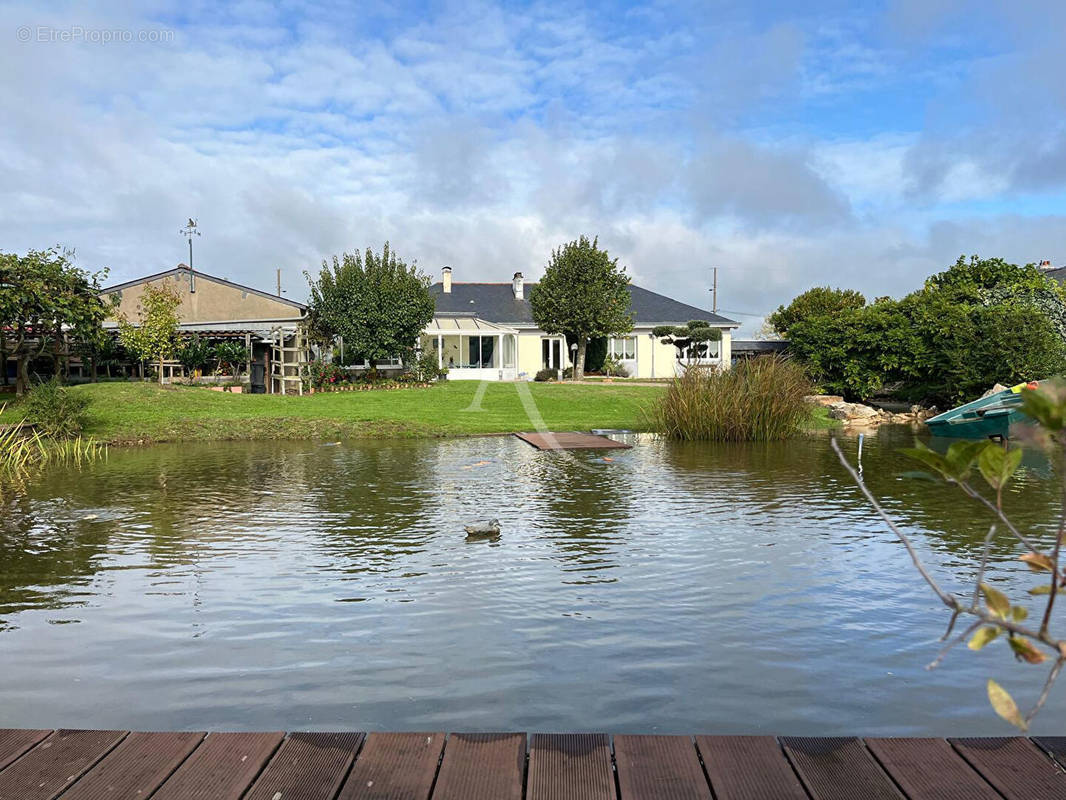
{"type": "Point", "coordinates": [91, 765]}
{"type": "Point", "coordinates": [571, 440]}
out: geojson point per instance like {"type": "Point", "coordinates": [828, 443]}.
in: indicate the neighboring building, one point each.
{"type": "Point", "coordinates": [485, 331]}
{"type": "Point", "coordinates": [753, 348]}
{"type": "Point", "coordinates": [209, 303]}
{"type": "Point", "coordinates": [269, 325]}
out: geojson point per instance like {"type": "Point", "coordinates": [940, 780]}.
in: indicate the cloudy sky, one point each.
{"type": "Point", "coordinates": [789, 144]}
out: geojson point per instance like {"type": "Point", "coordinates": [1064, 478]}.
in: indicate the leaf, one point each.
{"type": "Point", "coordinates": [1019, 613]}
{"type": "Point", "coordinates": [1042, 589]}
{"type": "Point", "coordinates": [1038, 562]}
{"type": "Point", "coordinates": [997, 465]}
{"type": "Point", "coordinates": [983, 637]}
{"type": "Point", "coordinates": [1024, 650]}
{"type": "Point", "coordinates": [962, 454]}
{"type": "Point", "coordinates": [1004, 705]}
{"type": "Point", "coordinates": [996, 601]}
{"type": "Point", "coordinates": [930, 458]}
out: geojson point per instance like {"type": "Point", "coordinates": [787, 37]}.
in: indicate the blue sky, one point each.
{"type": "Point", "coordinates": [789, 144]}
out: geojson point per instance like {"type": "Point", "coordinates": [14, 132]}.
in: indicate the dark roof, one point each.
{"type": "Point", "coordinates": [495, 302]}
{"type": "Point", "coordinates": [740, 346]}
{"type": "Point", "coordinates": [184, 268]}
{"type": "Point", "coordinates": [1058, 273]}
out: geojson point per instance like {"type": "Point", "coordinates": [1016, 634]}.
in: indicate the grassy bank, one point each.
{"type": "Point", "coordinates": [138, 412]}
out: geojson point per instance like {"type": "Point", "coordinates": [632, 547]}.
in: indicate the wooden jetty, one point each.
{"type": "Point", "coordinates": [571, 440]}
{"type": "Point", "coordinates": [91, 765]}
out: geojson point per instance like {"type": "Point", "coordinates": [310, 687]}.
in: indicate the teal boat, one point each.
{"type": "Point", "coordinates": [988, 417]}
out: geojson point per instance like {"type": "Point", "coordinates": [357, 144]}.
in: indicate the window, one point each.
{"type": "Point", "coordinates": [481, 352]}
{"type": "Point", "coordinates": [701, 351]}
{"type": "Point", "coordinates": [624, 348]}
{"type": "Point", "coordinates": [508, 350]}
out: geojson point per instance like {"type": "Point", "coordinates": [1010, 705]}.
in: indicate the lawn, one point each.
{"type": "Point", "coordinates": [139, 412]}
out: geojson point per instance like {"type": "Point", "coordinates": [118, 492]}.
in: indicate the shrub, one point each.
{"type": "Point", "coordinates": [323, 374]}
{"type": "Point", "coordinates": [760, 399]}
{"type": "Point", "coordinates": [613, 367]}
{"type": "Point", "coordinates": [545, 375]}
{"type": "Point", "coordinates": [426, 368]}
{"type": "Point", "coordinates": [57, 412]}
{"type": "Point", "coordinates": [231, 356]}
{"type": "Point", "coordinates": [194, 353]}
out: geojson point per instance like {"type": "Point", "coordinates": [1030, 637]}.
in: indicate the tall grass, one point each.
{"type": "Point", "coordinates": [760, 399]}
{"type": "Point", "coordinates": [23, 449]}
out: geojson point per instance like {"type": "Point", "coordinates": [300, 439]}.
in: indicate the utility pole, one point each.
{"type": "Point", "coordinates": [279, 281]}
{"type": "Point", "coordinates": [714, 291]}
{"type": "Point", "coordinates": [188, 232]}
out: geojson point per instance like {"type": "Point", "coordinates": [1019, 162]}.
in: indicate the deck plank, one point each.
{"type": "Point", "coordinates": [55, 763]}
{"type": "Point", "coordinates": [394, 766]}
{"type": "Point", "coordinates": [482, 766]}
{"type": "Point", "coordinates": [570, 766]}
{"type": "Point", "coordinates": [136, 768]}
{"type": "Point", "coordinates": [571, 440]}
{"type": "Point", "coordinates": [308, 766]}
{"type": "Point", "coordinates": [659, 768]}
{"type": "Point", "coordinates": [1015, 766]}
{"type": "Point", "coordinates": [838, 768]}
{"type": "Point", "coordinates": [16, 741]}
{"type": "Point", "coordinates": [930, 769]}
{"type": "Point", "coordinates": [221, 768]}
{"type": "Point", "coordinates": [748, 768]}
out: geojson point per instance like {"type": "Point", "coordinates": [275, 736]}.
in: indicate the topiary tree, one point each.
{"type": "Point", "coordinates": [689, 339]}
{"type": "Point", "coordinates": [583, 293]}
{"type": "Point", "coordinates": [378, 303]}
{"type": "Point", "coordinates": [154, 336]}
{"type": "Point", "coordinates": [817, 302]}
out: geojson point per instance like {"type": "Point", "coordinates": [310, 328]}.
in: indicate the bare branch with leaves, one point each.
{"type": "Point", "coordinates": [993, 613]}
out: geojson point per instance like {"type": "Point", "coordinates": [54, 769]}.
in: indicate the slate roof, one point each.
{"type": "Point", "coordinates": [495, 302]}
{"type": "Point", "coordinates": [1058, 273]}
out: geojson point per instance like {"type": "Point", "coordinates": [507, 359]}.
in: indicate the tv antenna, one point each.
{"type": "Point", "coordinates": [188, 232]}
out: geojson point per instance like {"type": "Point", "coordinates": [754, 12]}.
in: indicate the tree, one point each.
{"type": "Point", "coordinates": [378, 304]}
{"type": "Point", "coordinates": [690, 339]}
{"type": "Point", "coordinates": [583, 293]}
{"type": "Point", "coordinates": [43, 297]}
{"type": "Point", "coordinates": [974, 325]}
{"type": "Point", "coordinates": [817, 302]}
{"type": "Point", "coordinates": [154, 337]}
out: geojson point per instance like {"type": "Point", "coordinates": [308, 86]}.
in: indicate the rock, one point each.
{"type": "Point", "coordinates": [824, 399]}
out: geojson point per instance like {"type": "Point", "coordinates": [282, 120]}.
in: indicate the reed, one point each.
{"type": "Point", "coordinates": [23, 449]}
{"type": "Point", "coordinates": [761, 399]}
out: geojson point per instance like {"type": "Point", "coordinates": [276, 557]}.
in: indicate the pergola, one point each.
{"type": "Point", "coordinates": [472, 348]}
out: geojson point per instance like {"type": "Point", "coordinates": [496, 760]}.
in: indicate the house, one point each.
{"type": "Point", "coordinates": [485, 331]}
{"type": "Point", "coordinates": [270, 326]}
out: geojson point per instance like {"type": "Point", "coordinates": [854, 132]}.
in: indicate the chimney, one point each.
{"type": "Point", "coordinates": [446, 279]}
{"type": "Point", "coordinates": [1045, 265]}
{"type": "Point", "coordinates": [516, 282]}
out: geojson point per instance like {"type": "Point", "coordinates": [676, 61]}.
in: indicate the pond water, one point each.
{"type": "Point", "coordinates": [667, 588]}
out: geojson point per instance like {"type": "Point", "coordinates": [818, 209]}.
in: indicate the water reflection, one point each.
{"type": "Point", "coordinates": [671, 587]}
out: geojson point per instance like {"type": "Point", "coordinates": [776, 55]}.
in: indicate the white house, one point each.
{"type": "Point", "coordinates": [485, 331]}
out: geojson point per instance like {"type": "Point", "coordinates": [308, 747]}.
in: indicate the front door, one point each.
{"type": "Point", "coordinates": [549, 351]}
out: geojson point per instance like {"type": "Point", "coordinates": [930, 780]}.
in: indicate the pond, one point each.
{"type": "Point", "coordinates": [720, 588]}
